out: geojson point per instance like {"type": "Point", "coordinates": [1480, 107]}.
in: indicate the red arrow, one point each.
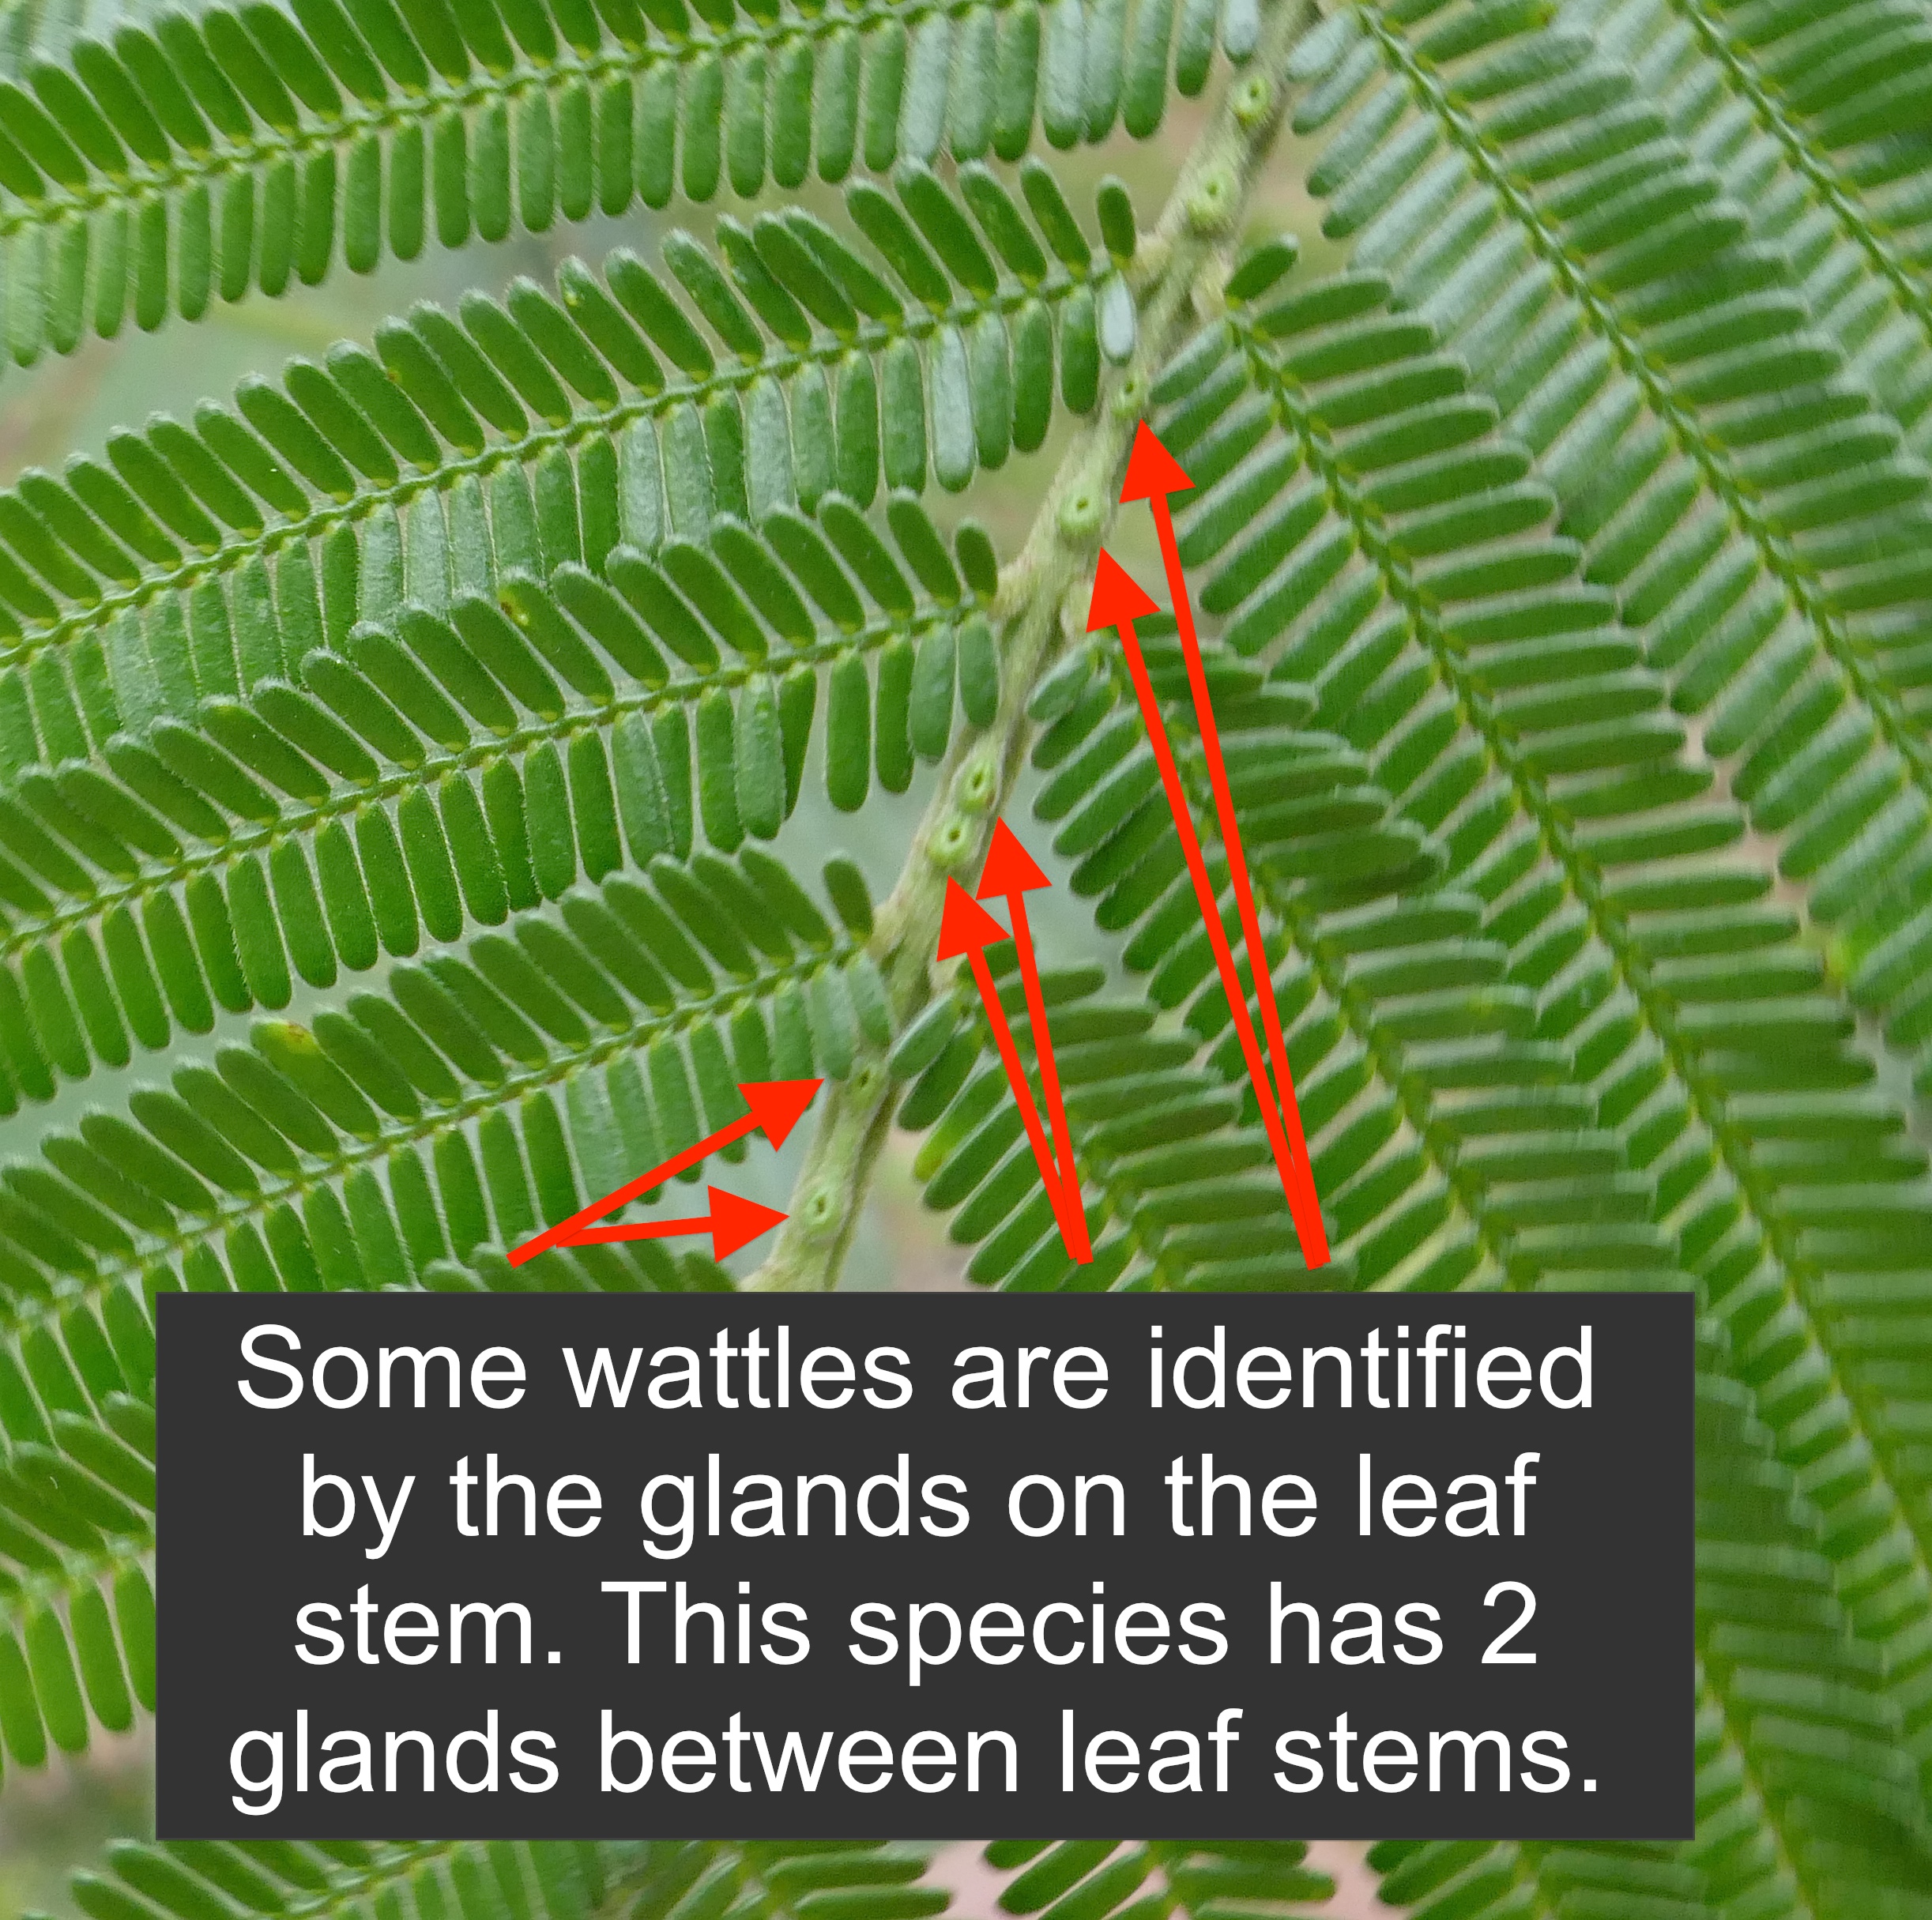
{"type": "Point", "coordinates": [732, 1221]}
{"type": "Point", "coordinates": [1012, 872]}
{"type": "Point", "coordinates": [775, 1106]}
{"type": "Point", "coordinates": [1152, 474]}
{"type": "Point", "coordinates": [968, 929]}
{"type": "Point", "coordinates": [1118, 602]}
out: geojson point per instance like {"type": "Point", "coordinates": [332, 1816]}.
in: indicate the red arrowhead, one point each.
{"type": "Point", "coordinates": [965, 928]}
{"type": "Point", "coordinates": [1010, 868]}
{"type": "Point", "coordinates": [776, 1106]}
{"type": "Point", "coordinates": [1151, 469]}
{"type": "Point", "coordinates": [1117, 598]}
{"type": "Point", "coordinates": [735, 1221]}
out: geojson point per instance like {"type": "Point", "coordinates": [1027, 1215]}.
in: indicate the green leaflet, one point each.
{"type": "Point", "coordinates": [392, 124]}
{"type": "Point", "coordinates": [98, 1662]}
{"type": "Point", "coordinates": [1763, 533]}
{"type": "Point", "coordinates": [1826, 103]}
{"type": "Point", "coordinates": [1761, 1637]}
{"type": "Point", "coordinates": [548, 1879]}
{"type": "Point", "coordinates": [1561, 567]}
{"type": "Point", "coordinates": [1571, 1050]}
{"type": "Point", "coordinates": [1564, 734]}
{"type": "Point", "coordinates": [460, 769]}
{"type": "Point", "coordinates": [358, 1110]}
{"type": "Point", "coordinates": [1092, 1879]}
{"type": "Point", "coordinates": [1695, 513]}
{"type": "Point", "coordinates": [264, 535]}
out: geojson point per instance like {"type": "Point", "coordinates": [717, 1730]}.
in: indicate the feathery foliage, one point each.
{"type": "Point", "coordinates": [406, 765]}
{"type": "Point", "coordinates": [150, 172]}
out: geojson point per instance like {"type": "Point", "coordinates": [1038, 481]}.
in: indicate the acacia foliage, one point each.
{"type": "Point", "coordinates": [423, 727]}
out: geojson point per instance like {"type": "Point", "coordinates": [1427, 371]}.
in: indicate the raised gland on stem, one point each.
{"type": "Point", "coordinates": [1056, 562]}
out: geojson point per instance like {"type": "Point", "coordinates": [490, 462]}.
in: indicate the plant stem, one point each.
{"type": "Point", "coordinates": [1202, 217]}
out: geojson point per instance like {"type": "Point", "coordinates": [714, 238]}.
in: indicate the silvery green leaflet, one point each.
{"type": "Point", "coordinates": [1564, 563]}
